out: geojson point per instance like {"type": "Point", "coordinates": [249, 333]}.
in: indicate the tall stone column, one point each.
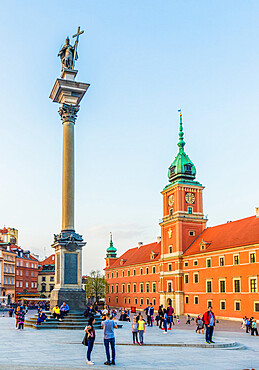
{"type": "Point", "coordinates": [68, 244]}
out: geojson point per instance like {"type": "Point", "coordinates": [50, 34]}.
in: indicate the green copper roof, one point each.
{"type": "Point", "coordinates": [111, 248]}
{"type": "Point", "coordinates": [182, 167]}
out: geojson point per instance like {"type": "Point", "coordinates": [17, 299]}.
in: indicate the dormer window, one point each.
{"type": "Point", "coordinates": [188, 168]}
{"type": "Point", "coordinates": [172, 169]}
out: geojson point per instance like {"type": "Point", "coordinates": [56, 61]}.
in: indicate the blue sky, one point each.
{"type": "Point", "coordinates": [144, 60]}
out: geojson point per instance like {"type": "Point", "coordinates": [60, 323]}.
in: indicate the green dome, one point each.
{"type": "Point", "coordinates": [111, 251]}
{"type": "Point", "coordinates": [182, 167]}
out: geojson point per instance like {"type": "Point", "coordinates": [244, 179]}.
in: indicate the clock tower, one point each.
{"type": "Point", "coordinates": [182, 222]}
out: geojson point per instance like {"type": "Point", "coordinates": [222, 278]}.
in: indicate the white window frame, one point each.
{"type": "Point", "coordinates": [253, 252]}
{"type": "Point", "coordinates": [237, 301]}
{"type": "Point", "coordinates": [196, 296]}
{"type": "Point", "coordinates": [234, 255]}
{"type": "Point", "coordinates": [254, 305]}
{"type": "Point", "coordinates": [209, 302]}
{"type": "Point", "coordinates": [208, 259]}
{"type": "Point", "coordinates": [187, 299]}
{"type": "Point", "coordinates": [194, 263]}
{"type": "Point", "coordinates": [252, 278]}
{"type": "Point", "coordinates": [195, 273]}
{"type": "Point", "coordinates": [209, 280]}
{"type": "Point", "coordinates": [236, 278]}
{"type": "Point", "coordinates": [221, 301]}
{"type": "Point", "coordinates": [221, 279]}
{"type": "Point", "coordinates": [187, 274]}
{"type": "Point", "coordinates": [169, 282]}
{"type": "Point", "coordinates": [223, 260]}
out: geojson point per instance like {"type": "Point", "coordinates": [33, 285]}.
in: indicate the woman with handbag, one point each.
{"type": "Point", "coordinates": [89, 339]}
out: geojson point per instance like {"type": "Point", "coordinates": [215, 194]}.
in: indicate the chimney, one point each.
{"type": "Point", "coordinates": [257, 211]}
{"type": "Point", "coordinates": [140, 244]}
{"type": "Point", "coordinates": [158, 239]}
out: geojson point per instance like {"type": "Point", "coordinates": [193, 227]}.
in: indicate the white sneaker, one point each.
{"type": "Point", "coordinates": [90, 362]}
{"type": "Point", "coordinates": [165, 332]}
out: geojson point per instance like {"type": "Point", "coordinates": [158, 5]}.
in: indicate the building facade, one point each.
{"type": "Point", "coordinates": [46, 276]}
{"type": "Point", "coordinates": [194, 266]}
{"type": "Point", "coordinates": [7, 274]}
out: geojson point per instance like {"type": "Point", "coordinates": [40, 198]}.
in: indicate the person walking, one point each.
{"type": "Point", "coordinates": [247, 324]}
{"type": "Point", "coordinates": [21, 316]}
{"type": "Point", "coordinates": [149, 312]}
{"type": "Point", "coordinates": [109, 338]}
{"type": "Point", "coordinates": [209, 321]}
{"type": "Point", "coordinates": [160, 314]}
{"type": "Point", "coordinates": [170, 313]}
{"type": "Point", "coordinates": [200, 325]}
{"type": "Point", "coordinates": [188, 319]}
{"type": "Point", "coordinates": [135, 331]}
{"type": "Point", "coordinates": [254, 328]}
{"type": "Point", "coordinates": [90, 331]}
{"type": "Point", "coordinates": [141, 329]}
{"type": "Point", "coordinates": [165, 320]}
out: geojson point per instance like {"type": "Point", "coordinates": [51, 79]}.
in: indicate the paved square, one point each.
{"type": "Point", "coordinates": [62, 349]}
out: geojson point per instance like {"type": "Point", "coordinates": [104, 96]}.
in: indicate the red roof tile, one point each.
{"type": "Point", "coordinates": [232, 234]}
{"type": "Point", "coordinates": [48, 261]}
{"type": "Point", "coordinates": [137, 255]}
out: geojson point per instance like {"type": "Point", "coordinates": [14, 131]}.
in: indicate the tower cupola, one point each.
{"type": "Point", "coordinates": [182, 167]}
{"type": "Point", "coordinates": [111, 251]}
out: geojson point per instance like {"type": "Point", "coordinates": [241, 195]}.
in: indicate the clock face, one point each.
{"type": "Point", "coordinates": [171, 200]}
{"type": "Point", "coordinates": [190, 198]}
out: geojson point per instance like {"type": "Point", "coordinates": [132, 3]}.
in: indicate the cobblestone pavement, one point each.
{"type": "Point", "coordinates": [62, 349]}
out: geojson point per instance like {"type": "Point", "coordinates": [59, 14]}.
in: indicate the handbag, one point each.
{"type": "Point", "coordinates": [85, 342]}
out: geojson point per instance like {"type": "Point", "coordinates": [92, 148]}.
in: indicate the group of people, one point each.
{"type": "Point", "coordinates": [108, 325]}
{"type": "Point", "coordinates": [60, 312]}
{"type": "Point", "coordinates": [250, 325]}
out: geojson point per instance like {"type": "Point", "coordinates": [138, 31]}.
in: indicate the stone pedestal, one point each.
{"type": "Point", "coordinates": [68, 244]}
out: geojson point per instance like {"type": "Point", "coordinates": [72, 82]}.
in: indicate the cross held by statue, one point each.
{"type": "Point", "coordinates": [76, 43]}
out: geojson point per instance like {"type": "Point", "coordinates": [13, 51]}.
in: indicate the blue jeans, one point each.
{"type": "Point", "coordinates": [209, 332]}
{"type": "Point", "coordinates": [107, 349]}
{"type": "Point", "coordinates": [90, 348]}
{"type": "Point", "coordinates": [141, 334]}
{"type": "Point", "coordinates": [170, 321]}
{"type": "Point", "coordinates": [165, 325]}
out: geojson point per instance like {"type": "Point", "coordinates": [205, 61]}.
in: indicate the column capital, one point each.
{"type": "Point", "coordinates": [68, 112]}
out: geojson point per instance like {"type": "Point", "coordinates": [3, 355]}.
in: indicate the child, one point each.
{"type": "Point", "coordinates": [141, 329]}
{"type": "Point", "coordinates": [178, 320]}
{"type": "Point", "coordinates": [200, 325]}
{"type": "Point", "coordinates": [188, 319]}
{"type": "Point", "coordinates": [21, 320]}
{"type": "Point", "coordinates": [135, 330]}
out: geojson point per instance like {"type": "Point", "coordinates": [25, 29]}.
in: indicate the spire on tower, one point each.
{"type": "Point", "coordinates": [111, 251]}
{"type": "Point", "coordinates": [181, 142]}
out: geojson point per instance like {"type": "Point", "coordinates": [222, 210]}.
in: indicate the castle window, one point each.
{"type": "Point", "coordinates": [134, 288]}
{"type": "Point", "coordinates": [169, 287]}
{"type": "Point", "coordinates": [112, 289]}
{"type": "Point", "coordinates": [236, 259]}
{"type": "Point", "coordinates": [221, 261]}
{"type": "Point", "coordinates": [252, 257]}
{"type": "Point", "coordinates": [256, 306]}
{"type": "Point", "coordinates": [108, 276]}
{"type": "Point", "coordinates": [112, 274]}
{"type": "Point", "coordinates": [209, 286]}
{"type": "Point", "coordinates": [141, 288]}
{"type": "Point", "coordinates": [195, 263]}
{"type": "Point", "coordinates": [171, 169]}
{"type": "Point", "coordinates": [237, 306]}
{"type": "Point", "coordinates": [147, 300]}
{"type": "Point", "coordinates": [196, 299]}
{"type": "Point", "coordinates": [147, 287]}
{"type": "Point", "coordinates": [186, 278]}
{"type": "Point", "coordinates": [117, 288]}
{"type": "Point", "coordinates": [190, 210]}
{"type": "Point", "coordinates": [147, 270]}
{"type": "Point", "coordinates": [129, 300]}
{"type": "Point", "coordinates": [196, 277]}
{"type": "Point", "coordinates": [122, 273]}
{"type": "Point", "coordinates": [188, 168]}
{"type": "Point", "coordinates": [169, 267]}
{"type": "Point", "coordinates": [141, 271]}
{"type": "Point", "coordinates": [253, 285]}
{"type": "Point", "coordinates": [134, 272]}
{"type": "Point", "coordinates": [154, 287]}
{"type": "Point", "coordinates": [109, 299]}
{"type": "Point", "coordinates": [171, 211]}
{"type": "Point", "coordinates": [154, 269]}
{"type": "Point", "coordinates": [237, 286]}
{"type": "Point", "coordinates": [141, 301]}
{"type": "Point", "coordinates": [170, 249]}
{"type": "Point", "coordinates": [125, 300]}
{"type": "Point", "coordinates": [123, 288]}
{"type": "Point", "coordinates": [209, 303]}
{"type": "Point", "coordinates": [116, 299]}
{"type": "Point", "coordinates": [154, 302]}
{"type": "Point", "coordinates": [191, 233]}
{"type": "Point", "coordinates": [208, 262]}
{"type": "Point", "coordinates": [128, 288]}
{"type": "Point", "coordinates": [222, 305]}
{"type": "Point", "coordinates": [136, 300]}
{"type": "Point", "coordinates": [222, 286]}
{"type": "Point", "coordinates": [186, 299]}
{"type": "Point", "coordinates": [186, 264]}
{"type": "Point", "coordinates": [117, 274]}
{"type": "Point", "coordinates": [128, 272]}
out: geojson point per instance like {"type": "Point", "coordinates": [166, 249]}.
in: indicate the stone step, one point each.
{"type": "Point", "coordinates": [60, 325]}
{"type": "Point", "coordinates": [81, 320]}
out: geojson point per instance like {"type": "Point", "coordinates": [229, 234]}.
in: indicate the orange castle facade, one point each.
{"type": "Point", "coordinates": [193, 266]}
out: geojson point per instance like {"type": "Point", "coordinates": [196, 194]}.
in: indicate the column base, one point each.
{"type": "Point", "coordinates": [76, 299]}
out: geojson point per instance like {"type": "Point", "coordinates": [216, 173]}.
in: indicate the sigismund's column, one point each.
{"type": "Point", "coordinates": [68, 244]}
